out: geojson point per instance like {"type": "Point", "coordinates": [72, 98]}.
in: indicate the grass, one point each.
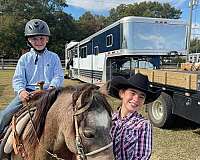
{"type": "Point", "coordinates": [6, 91]}
{"type": "Point", "coordinates": [181, 143]}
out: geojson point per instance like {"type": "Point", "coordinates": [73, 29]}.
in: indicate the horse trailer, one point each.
{"type": "Point", "coordinates": [129, 43]}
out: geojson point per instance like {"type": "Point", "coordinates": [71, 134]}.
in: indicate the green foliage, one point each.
{"type": "Point", "coordinates": [195, 46]}
{"type": "Point", "coordinates": [62, 30]}
{"type": "Point", "coordinates": [144, 9]}
{"type": "Point", "coordinates": [89, 24]}
{"type": "Point", "coordinates": [15, 14]}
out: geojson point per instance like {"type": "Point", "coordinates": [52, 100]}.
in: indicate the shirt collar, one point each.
{"type": "Point", "coordinates": [33, 51]}
{"type": "Point", "coordinates": [116, 116]}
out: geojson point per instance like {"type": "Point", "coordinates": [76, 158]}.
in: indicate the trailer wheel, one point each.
{"type": "Point", "coordinates": [160, 111]}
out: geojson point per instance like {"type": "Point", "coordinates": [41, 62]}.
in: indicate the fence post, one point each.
{"type": "Point", "coordinates": [2, 64]}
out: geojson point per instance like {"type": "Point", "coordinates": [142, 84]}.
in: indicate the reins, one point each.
{"type": "Point", "coordinates": [32, 123]}
{"type": "Point", "coordinates": [40, 84]}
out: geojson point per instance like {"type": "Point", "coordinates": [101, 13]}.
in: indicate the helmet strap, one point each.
{"type": "Point", "coordinates": [38, 52]}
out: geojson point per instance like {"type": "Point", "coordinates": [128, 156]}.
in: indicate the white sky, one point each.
{"type": "Point", "coordinates": [108, 4]}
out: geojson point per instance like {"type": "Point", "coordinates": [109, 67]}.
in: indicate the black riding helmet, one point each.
{"type": "Point", "coordinates": [36, 27]}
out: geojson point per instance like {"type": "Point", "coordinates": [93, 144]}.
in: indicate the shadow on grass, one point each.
{"type": "Point", "coordinates": [184, 124]}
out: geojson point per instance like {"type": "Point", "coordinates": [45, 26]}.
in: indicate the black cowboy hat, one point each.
{"type": "Point", "coordinates": [137, 81]}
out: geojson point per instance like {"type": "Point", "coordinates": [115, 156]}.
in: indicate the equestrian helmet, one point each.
{"type": "Point", "coordinates": [36, 27]}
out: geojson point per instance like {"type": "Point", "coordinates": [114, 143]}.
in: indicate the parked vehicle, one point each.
{"type": "Point", "coordinates": [120, 47]}
{"type": "Point", "coordinates": [141, 44]}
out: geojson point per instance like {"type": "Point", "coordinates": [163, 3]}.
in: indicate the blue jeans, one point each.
{"type": "Point", "coordinates": [8, 112]}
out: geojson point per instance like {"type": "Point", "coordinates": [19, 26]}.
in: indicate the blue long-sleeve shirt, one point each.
{"type": "Point", "coordinates": [31, 69]}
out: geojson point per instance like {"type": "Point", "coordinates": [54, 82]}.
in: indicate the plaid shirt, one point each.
{"type": "Point", "coordinates": [132, 137]}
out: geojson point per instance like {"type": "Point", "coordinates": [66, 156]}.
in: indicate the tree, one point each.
{"type": "Point", "coordinates": [16, 13]}
{"type": "Point", "coordinates": [89, 24]}
{"type": "Point", "coordinates": [195, 46]}
{"type": "Point", "coordinates": [63, 30]}
{"type": "Point", "coordinates": [144, 9]}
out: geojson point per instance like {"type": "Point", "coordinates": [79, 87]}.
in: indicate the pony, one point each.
{"type": "Point", "coordinates": [69, 123]}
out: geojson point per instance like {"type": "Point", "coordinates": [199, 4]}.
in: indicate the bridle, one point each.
{"type": "Point", "coordinates": [79, 146]}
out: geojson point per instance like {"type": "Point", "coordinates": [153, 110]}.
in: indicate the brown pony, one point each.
{"type": "Point", "coordinates": [70, 122]}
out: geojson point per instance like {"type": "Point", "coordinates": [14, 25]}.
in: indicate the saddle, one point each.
{"type": "Point", "coordinates": [10, 140]}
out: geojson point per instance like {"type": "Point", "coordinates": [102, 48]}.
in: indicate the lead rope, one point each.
{"type": "Point", "coordinates": [79, 146]}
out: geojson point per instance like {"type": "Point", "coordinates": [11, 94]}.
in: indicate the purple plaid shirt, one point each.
{"type": "Point", "coordinates": [132, 137]}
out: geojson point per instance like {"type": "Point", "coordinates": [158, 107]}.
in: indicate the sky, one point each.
{"type": "Point", "coordinates": [101, 7]}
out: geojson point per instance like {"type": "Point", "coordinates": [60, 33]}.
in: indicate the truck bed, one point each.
{"type": "Point", "coordinates": [173, 77]}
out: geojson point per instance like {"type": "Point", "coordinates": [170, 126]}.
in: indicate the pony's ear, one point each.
{"type": "Point", "coordinates": [85, 97]}
{"type": "Point", "coordinates": [105, 89]}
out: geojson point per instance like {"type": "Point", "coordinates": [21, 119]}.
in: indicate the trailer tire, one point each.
{"type": "Point", "coordinates": [160, 111]}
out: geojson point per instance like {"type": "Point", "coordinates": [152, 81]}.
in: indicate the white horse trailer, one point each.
{"type": "Point", "coordinates": [124, 45]}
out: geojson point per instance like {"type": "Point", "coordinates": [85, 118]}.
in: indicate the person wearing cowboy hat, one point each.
{"type": "Point", "coordinates": [131, 132]}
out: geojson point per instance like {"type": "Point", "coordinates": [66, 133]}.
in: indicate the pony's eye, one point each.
{"type": "Point", "coordinates": [88, 134]}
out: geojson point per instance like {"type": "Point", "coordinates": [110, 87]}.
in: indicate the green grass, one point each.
{"type": "Point", "coordinates": [6, 91]}
{"type": "Point", "coordinates": [182, 143]}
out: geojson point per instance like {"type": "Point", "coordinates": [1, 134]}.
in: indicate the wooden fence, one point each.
{"type": "Point", "coordinates": [11, 63]}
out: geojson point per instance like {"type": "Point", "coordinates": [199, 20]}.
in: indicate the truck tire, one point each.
{"type": "Point", "coordinates": [160, 111]}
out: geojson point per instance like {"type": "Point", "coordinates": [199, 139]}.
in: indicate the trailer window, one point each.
{"type": "Point", "coordinates": [190, 58]}
{"type": "Point", "coordinates": [68, 54]}
{"type": "Point", "coordinates": [154, 37]}
{"type": "Point", "coordinates": [73, 52]}
{"type": "Point", "coordinates": [109, 40]}
{"type": "Point", "coordinates": [96, 50]}
{"type": "Point", "coordinates": [195, 58]}
{"type": "Point", "coordinates": [83, 52]}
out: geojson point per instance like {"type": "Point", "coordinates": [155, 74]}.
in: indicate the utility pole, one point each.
{"type": "Point", "coordinates": [192, 3]}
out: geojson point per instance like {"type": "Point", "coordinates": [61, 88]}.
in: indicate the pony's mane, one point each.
{"type": "Point", "coordinates": [99, 98]}
{"type": "Point", "coordinates": [44, 103]}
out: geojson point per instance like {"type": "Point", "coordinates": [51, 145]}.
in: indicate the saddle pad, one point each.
{"type": "Point", "coordinates": [8, 128]}
{"type": "Point", "coordinates": [19, 128]}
